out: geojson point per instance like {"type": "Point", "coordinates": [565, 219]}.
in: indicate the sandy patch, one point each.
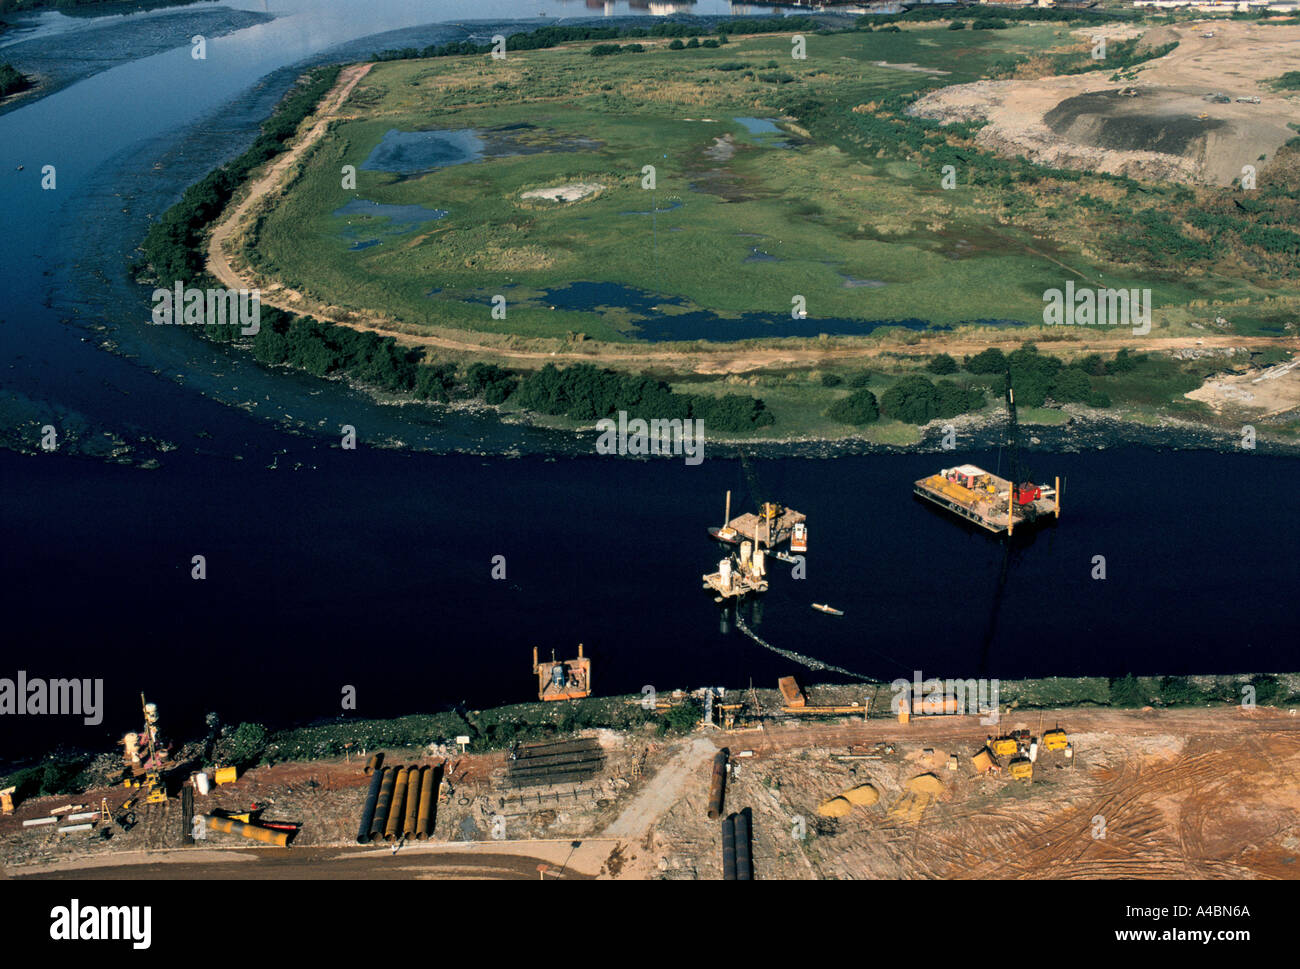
{"type": "Point", "coordinates": [1169, 130]}
{"type": "Point", "coordinates": [571, 192]}
{"type": "Point", "coordinates": [1273, 391]}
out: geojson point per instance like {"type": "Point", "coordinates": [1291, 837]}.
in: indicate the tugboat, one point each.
{"type": "Point", "coordinates": [799, 538]}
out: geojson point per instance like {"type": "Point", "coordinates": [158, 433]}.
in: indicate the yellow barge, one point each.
{"type": "Point", "coordinates": [989, 501]}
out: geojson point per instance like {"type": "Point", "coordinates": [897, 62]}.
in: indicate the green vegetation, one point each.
{"type": "Point", "coordinates": [858, 408]}
{"type": "Point", "coordinates": [173, 247]}
{"type": "Point", "coordinates": [586, 393]}
{"type": "Point", "coordinates": [1290, 81]}
{"type": "Point", "coordinates": [11, 82]}
{"type": "Point", "coordinates": [848, 201]}
{"type": "Point", "coordinates": [855, 196]}
{"type": "Point", "coordinates": [242, 747]}
{"type": "Point", "coordinates": [915, 400]}
{"type": "Point", "coordinates": [942, 365]}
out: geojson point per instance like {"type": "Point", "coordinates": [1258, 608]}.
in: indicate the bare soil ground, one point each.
{"type": "Point", "coordinates": [1254, 394]}
{"type": "Point", "coordinates": [1194, 793]}
{"type": "Point", "coordinates": [1081, 121]}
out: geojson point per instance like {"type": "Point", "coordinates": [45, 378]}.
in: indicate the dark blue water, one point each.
{"type": "Point", "coordinates": [705, 324]}
{"type": "Point", "coordinates": [421, 151]}
{"type": "Point", "coordinates": [371, 568]}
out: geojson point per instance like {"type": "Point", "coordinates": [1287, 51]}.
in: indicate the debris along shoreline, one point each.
{"type": "Point", "coordinates": [498, 728]}
{"type": "Point", "coordinates": [790, 753]}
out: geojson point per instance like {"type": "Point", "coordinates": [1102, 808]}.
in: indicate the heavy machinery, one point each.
{"type": "Point", "coordinates": [1021, 769]}
{"type": "Point", "coordinates": [145, 761]}
{"type": "Point", "coordinates": [1055, 739]}
{"type": "Point", "coordinates": [1004, 746]}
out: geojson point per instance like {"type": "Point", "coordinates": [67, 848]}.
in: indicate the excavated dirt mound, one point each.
{"type": "Point", "coordinates": [1171, 128]}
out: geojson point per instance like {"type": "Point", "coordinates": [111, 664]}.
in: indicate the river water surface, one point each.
{"type": "Point", "coordinates": [371, 568]}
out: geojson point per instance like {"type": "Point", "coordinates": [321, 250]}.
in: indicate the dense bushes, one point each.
{"type": "Point", "coordinates": [587, 393]}
{"type": "Point", "coordinates": [11, 81]}
{"type": "Point", "coordinates": [915, 400]}
{"type": "Point", "coordinates": [942, 365]}
{"type": "Point", "coordinates": [544, 37]}
{"type": "Point", "coordinates": [858, 408]}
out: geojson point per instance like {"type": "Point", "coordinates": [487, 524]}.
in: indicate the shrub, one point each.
{"type": "Point", "coordinates": [942, 365]}
{"type": "Point", "coordinates": [243, 746]}
{"type": "Point", "coordinates": [858, 408]}
{"type": "Point", "coordinates": [676, 44]}
{"type": "Point", "coordinates": [681, 718]}
{"type": "Point", "coordinates": [831, 380]}
{"type": "Point", "coordinates": [987, 361]}
{"type": "Point", "coordinates": [1127, 692]}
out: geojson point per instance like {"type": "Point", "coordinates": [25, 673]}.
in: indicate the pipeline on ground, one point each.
{"type": "Point", "coordinates": [254, 831]}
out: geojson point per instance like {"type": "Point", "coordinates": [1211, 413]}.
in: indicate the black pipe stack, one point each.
{"type": "Point", "coordinates": [372, 799]}
{"type": "Point", "coordinates": [743, 844]}
{"type": "Point", "coordinates": [729, 849]}
{"type": "Point", "coordinates": [384, 803]}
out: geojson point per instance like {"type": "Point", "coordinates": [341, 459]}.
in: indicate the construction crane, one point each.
{"type": "Point", "coordinates": [768, 511]}
{"type": "Point", "coordinates": [146, 774]}
{"type": "Point", "coordinates": [1017, 474]}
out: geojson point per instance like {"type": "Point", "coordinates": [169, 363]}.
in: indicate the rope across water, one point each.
{"type": "Point", "coordinates": [808, 661]}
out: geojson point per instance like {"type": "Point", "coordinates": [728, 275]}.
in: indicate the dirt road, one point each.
{"type": "Point", "coordinates": [218, 262]}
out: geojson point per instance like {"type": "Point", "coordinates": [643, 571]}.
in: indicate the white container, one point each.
{"type": "Point", "coordinates": [201, 782]}
{"type": "Point", "coordinates": [1033, 752]}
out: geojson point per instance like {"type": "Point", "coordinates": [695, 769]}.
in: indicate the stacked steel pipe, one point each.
{"type": "Point", "coordinates": [372, 800]}
{"type": "Point", "coordinates": [393, 828]}
{"type": "Point", "coordinates": [414, 787]}
{"type": "Point", "coordinates": [729, 849]}
{"type": "Point", "coordinates": [744, 859]}
{"type": "Point", "coordinates": [718, 785]}
{"type": "Point", "coordinates": [402, 803]}
{"type": "Point", "coordinates": [384, 803]}
{"type": "Point", "coordinates": [427, 816]}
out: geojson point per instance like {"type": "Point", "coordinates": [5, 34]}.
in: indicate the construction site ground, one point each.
{"type": "Point", "coordinates": [1186, 793]}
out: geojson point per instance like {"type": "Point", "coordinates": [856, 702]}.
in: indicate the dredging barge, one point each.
{"type": "Point", "coordinates": [993, 503]}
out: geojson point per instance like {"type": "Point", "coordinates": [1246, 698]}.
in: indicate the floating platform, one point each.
{"type": "Point", "coordinates": [568, 679]}
{"type": "Point", "coordinates": [753, 528]}
{"type": "Point", "coordinates": [984, 499]}
{"type": "Point", "coordinates": [739, 586]}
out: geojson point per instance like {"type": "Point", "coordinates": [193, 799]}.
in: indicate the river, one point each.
{"type": "Point", "coordinates": [371, 568]}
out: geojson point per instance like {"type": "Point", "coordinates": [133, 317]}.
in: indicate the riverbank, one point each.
{"type": "Point", "coordinates": [1180, 793]}
{"type": "Point", "coordinates": [73, 55]}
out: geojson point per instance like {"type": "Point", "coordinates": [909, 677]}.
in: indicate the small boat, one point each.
{"type": "Point", "coordinates": [787, 557]}
{"type": "Point", "coordinates": [799, 538]}
{"type": "Point", "coordinates": [821, 607]}
{"type": "Point", "coordinates": [20, 168]}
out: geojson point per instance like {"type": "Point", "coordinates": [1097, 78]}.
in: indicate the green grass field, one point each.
{"type": "Point", "coordinates": [823, 212]}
